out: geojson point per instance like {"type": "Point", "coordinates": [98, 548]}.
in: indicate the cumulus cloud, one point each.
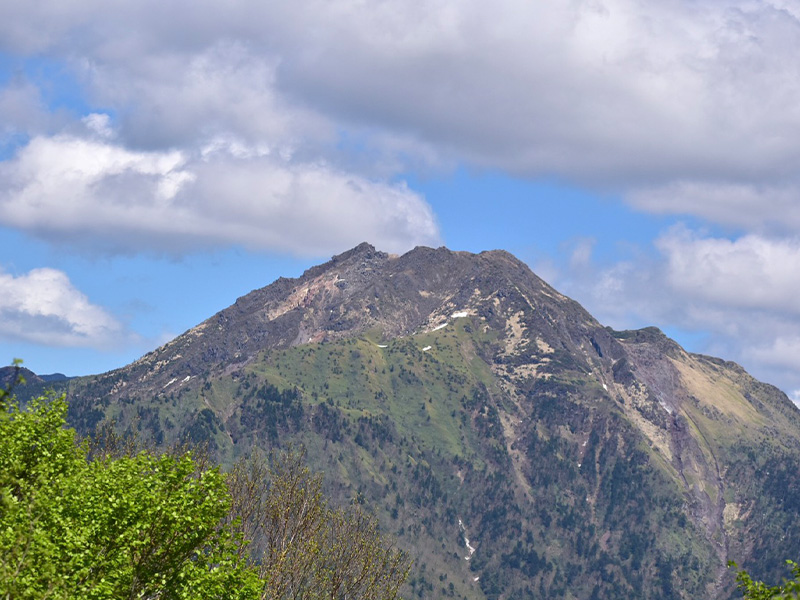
{"type": "Point", "coordinates": [750, 272]}
{"type": "Point", "coordinates": [99, 124]}
{"type": "Point", "coordinates": [44, 307]}
{"type": "Point", "coordinates": [174, 99]}
{"type": "Point", "coordinates": [96, 193]}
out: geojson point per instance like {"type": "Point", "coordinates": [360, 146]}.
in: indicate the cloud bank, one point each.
{"type": "Point", "coordinates": [680, 107]}
{"type": "Point", "coordinates": [665, 103]}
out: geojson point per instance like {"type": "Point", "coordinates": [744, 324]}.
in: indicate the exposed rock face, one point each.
{"type": "Point", "coordinates": [440, 386]}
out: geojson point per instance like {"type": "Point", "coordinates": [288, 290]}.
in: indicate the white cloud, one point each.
{"type": "Point", "coordinates": [749, 272]}
{"type": "Point", "coordinates": [784, 351]}
{"type": "Point", "coordinates": [99, 124]}
{"type": "Point", "coordinates": [71, 187]}
{"type": "Point", "coordinates": [95, 193]}
{"type": "Point", "coordinates": [225, 89]}
{"type": "Point", "coordinates": [44, 307]}
{"type": "Point", "coordinates": [766, 208]}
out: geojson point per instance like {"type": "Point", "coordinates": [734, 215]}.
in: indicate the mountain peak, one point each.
{"type": "Point", "coordinates": [364, 249]}
{"type": "Point", "coordinates": [363, 252]}
{"type": "Point", "coordinates": [365, 289]}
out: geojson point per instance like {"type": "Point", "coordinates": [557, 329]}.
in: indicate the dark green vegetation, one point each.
{"type": "Point", "coordinates": [104, 520]}
{"type": "Point", "coordinates": [464, 399]}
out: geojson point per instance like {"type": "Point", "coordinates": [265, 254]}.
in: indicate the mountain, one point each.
{"type": "Point", "coordinates": [514, 445]}
{"type": "Point", "coordinates": [9, 376]}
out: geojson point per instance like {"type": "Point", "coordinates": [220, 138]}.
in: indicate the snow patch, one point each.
{"type": "Point", "coordinates": [187, 378]}
{"type": "Point", "coordinates": [426, 348]}
{"type": "Point", "coordinates": [382, 345]}
{"type": "Point", "coordinates": [605, 387]}
{"type": "Point", "coordinates": [438, 327]}
{"type": "Point", "coordinates": [475, 578]}
{"type": "Point", "coordinates": [460, 314]}
{"type": "Point", "coordinates": [665, 406]}
{"type": "Point", "coordinates": [170, 382]}
{"type": "Point", "coordinates": [470, 548]}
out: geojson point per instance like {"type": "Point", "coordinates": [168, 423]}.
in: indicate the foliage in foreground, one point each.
{"type": "Point", "coordinates": [141, 526]}
{"type": "Point", "coordinates": [758, 590]}
{"type": "Point", "coordinates": [81, 524]}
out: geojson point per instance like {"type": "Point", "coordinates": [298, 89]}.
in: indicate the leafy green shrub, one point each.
{"type": "Point", "coordinates": [758, 590]}
{"type": "Point", "coordinates": [134, 526]}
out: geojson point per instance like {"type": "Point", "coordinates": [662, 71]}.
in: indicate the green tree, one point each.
{"type": "Point", "coordinates": [758, 590]}
{"type": "Point", "coordinates": [135, 526]}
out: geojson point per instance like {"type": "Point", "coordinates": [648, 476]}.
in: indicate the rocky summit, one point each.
{"type": "Point", "coordinates": [514, 445]}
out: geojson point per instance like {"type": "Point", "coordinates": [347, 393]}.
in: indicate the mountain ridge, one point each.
{"type": "Point", "coordinates": [578, 450]}
{"type": "Point", "coordinates": [357, 264]}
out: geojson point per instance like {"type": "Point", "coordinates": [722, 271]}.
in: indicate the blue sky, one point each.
{"type": "Point", "coordinates": [159, 160]}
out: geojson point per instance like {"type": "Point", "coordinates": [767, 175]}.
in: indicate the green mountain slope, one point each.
{"type": "Point", "coordinates": [514, 445]}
